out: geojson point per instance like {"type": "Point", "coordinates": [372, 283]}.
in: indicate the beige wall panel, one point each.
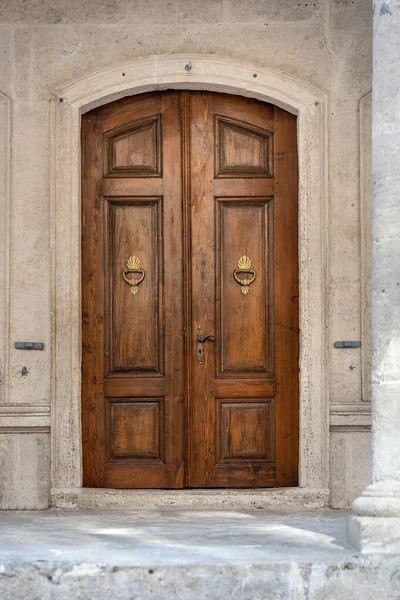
{"type": "Point", "coordinates": [350, 460]}
{"type": "Point", "coordinates": [5, 159]}
{"type": "Point", "coordinates": [24, 468]}
{"type": "Point", "coordinates": [6, 59]}
{"type": "Point", "coordinates": [30, 275]}
{"type": "Point", "coordinates": [44, 45]}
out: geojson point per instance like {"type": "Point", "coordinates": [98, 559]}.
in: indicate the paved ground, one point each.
{"type": "Point", "coordinates": [169, 553]}
{"type": "Point", "coordinates": [172, 537]}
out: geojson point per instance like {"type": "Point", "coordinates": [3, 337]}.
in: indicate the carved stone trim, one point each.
{"type": "Point", "coordinates": [24, 409]}
{"type": "Point", "coordinates": [217, 499]}
{"type": "Point", "coordinates": [5, 236]}
{"type": "Point", "coordinates": [17, 418]}
{"type": "Point", "coordinates": [366, 240]}
{"type": "Point", "coordinates": [214, 74]}
{"type": "Point", "coordinates": [24, 429]}
{"type": "Point", "coordinates": [353, 417]}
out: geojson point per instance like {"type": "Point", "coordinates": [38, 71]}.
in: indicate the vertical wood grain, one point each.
{"type": "Point", "coordinates": [286, 298]}
{"type": "Point", "coordinates": [151, 415]}
{"type": "Point", "coordinates": [132, 344]}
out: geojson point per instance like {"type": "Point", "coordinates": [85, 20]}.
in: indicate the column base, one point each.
{"type": "Point", "coordinates": [375, 524]}
{"type": "Point", "coordinates": [374, 534]}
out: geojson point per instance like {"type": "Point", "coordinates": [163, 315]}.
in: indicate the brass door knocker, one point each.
{"type": "Point", "coordinates": [244, 268]}
{"type": "Point", "coordinates": [133, 266]}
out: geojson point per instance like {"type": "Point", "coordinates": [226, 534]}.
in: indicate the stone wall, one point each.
{"type": "Point", "coordinates": [46, 44]}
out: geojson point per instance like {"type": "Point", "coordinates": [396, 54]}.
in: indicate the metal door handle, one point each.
{"type": "Point", "coordinates": [200, 339]}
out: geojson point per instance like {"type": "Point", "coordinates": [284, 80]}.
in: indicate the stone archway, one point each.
{"type": "Point", "coordinates": [214, 74]}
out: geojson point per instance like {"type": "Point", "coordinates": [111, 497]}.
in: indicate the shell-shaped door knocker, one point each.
{"type": "Point", "coordinates": [133, 266]}
{"type": "Point", "coordinates": [244, 268]}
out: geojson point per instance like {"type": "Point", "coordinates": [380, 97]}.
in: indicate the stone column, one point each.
{"type": "Point", "coordinates": [375, 523]}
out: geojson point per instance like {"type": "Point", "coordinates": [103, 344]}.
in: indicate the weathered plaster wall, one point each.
{"type": "Point", "coordinates": [45, 44]}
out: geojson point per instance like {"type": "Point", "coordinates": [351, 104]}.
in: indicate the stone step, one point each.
{"type": "Point", "coordinates": [196, 553]}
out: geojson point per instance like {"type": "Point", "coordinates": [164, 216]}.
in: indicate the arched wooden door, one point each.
{"type": "Point", "coordinates": [189, 230]}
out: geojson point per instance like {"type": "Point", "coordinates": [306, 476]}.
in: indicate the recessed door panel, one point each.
{"type": "Point", "coordinates": [136, 319]}
{"type": "Point", "coordinates": [242, 150]}
{"type": "Point", "coordinates": [244, 430]}
{"type": "Point", "coordinates": [244, 253]}
{"type": "Point", "coordinates": [136, 429]}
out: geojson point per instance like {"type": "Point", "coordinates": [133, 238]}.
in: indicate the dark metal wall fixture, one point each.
{"type": "Point", "coordinates": [347, 344]}
{"type": "Point", "coordinates": [29, 345]}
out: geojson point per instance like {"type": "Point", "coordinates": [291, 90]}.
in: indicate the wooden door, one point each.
{"type": "Point", "coordinates": [132, 364]}
{"type": "Point", "coordinates": [201, 188]}
{"type": "Point", "coordinates": [244, 397]}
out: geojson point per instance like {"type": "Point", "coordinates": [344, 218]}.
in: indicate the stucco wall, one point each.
{"type": "Point", "coordinates": [46, 44]}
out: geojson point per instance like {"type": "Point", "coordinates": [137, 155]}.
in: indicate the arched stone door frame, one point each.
{"type": "Point", "coordinates": [214, 74]}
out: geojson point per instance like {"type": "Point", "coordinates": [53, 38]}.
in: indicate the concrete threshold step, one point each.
{"type": "Point", "coordinates": [191, 498]}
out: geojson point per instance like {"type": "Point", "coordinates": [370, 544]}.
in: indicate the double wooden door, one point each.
{"type": "Point", "coordinates": [189, 293]}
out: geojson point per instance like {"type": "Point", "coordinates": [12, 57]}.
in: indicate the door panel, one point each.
{"type": "Point", "coordinates": [135, 430]}
{"type": "Point", "coordinates": [242, 150]}
{"type": "Point", "coordinates": [244, 396]}
{"type": "Point", "coordinates": [243, 431]}
{"type": "Point", "coordinates": [189, 220]}
{"type": "Point", "coordinates": [136, 324]}
{"type": "Point", "coordinates": [132, 363]}
{"type": "Point", "coordinates": [242, 229]}
{"type": "Point", "coordinates": [134, 149]}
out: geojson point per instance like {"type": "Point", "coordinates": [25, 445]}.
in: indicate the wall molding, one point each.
{"type": "Point", "coordinates": [365, 128]}
{"type": "Point", "coordinates": [214, 74]}
{"type": "Point", "coordinates": [350, 417]}
{"type": "Point", "coordinates": [15, 418]}
{"type": "Point", "coordinates": [24, 409]}
{"type": "Point", "coordinates": [17, 429]}
{"type": "Point", "coordinates": [5, 242]}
